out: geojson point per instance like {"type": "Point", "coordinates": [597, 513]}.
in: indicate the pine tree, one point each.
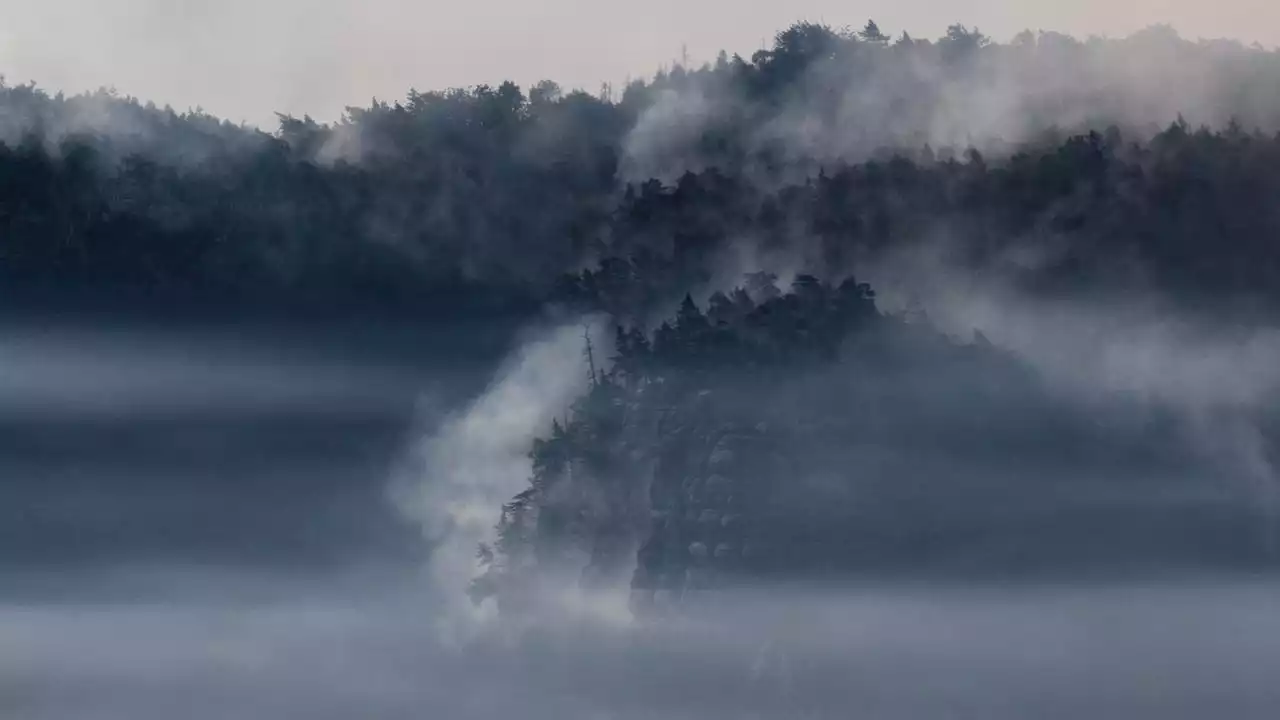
{"type": "Point", "coordinates": [871, 33]}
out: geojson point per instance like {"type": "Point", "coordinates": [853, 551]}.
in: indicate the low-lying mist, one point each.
{"type": "Point", "coordinates": [664, 403]}
{"type": "Point", "coordinates": [1123, 645]}
{"type": "Point", "coordinates": [384, 637]}
{"type": "Point", "coordinates": [1069, 652]}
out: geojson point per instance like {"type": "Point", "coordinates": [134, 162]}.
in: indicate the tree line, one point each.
{"type": "Point", "coordinates": [494, 195]}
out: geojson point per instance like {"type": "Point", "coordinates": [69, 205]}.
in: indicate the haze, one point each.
{"type": "Point", "coordinates": [460, 411]}
{"type": "Point", "coordinates": [246, 60]}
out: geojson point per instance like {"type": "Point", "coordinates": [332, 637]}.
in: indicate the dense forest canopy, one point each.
{"type": "Point", "coordinates": [802, 434]}
{"type": "Point", "coordinates": [724, 218]}
{"type": "Point", "coordinates": [1146, 159]}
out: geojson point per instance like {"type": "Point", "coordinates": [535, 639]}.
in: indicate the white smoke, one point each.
{"type": "Point", "coordinates": [1221, 384]}
{"type": "Point", "coordinates": [464, 470]}
{"type": "Point", "coordinates": [669, 125]}
{"type": "Point", "coordinates": [863, 100]}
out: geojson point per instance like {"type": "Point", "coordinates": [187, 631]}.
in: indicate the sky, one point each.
{"type": "Point", "coordinates": [246, 59]}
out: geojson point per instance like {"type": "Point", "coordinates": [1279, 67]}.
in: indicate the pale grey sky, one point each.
{"type": "Point", "coordinates": [244, 59]}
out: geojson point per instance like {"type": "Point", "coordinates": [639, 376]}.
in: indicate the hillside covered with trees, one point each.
{"type": "Point", "coordinates": [1105, 168]}
{"type": "Point", "coordinates": [804, 435]}
{"type": "Point", "coordinates": [825, 149]}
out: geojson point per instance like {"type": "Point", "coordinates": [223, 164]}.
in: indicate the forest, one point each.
{"type": "Point", "coordinates": [724, 217]}
{"type": "Point", "coordinates": [805, 435]}
{"type": "Point", "coordinates": [830, 147]}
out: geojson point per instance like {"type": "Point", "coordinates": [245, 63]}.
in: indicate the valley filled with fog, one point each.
{"type": "Point", "coordinates": [863, 376]}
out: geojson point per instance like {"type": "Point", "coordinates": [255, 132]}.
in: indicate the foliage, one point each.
{"type": "Point", "coordinates": [779, 433]}
{"type": "Point", "coordinates": [466, 195]}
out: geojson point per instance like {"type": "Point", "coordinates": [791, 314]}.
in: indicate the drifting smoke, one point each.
{"type": "Point", "coordinates": [460, 475]}
{"type": "Point", "coordinates": [206, 644]}
{"type": "Point", "coordinates": [1221, 382]}
{"type": "Point", "coordinates": [410, 648]}
{"type": "Point", "coordinates": [132, 127]}
{"type": "Point", "coordinates": [847, 101]}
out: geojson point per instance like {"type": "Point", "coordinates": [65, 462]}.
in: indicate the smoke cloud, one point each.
{"type": "Point", "coordinates": [462, 472]}
{"type": "Point", "coordinates": [196, 641]}
{"type": "Point", "coordinates": [243, 60]}
{"type": "Point", "coordinates": [1216, 377]}
{"type": "Point", "coordinates": [852, 101]}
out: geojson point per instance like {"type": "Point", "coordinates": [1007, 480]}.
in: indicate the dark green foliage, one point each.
{"type": "Point", "coordinates": [462, 196]}
{"type": "Point", "coordinates": [818, 154]}
{"type": "Point", "coordinates": [804, 434]}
